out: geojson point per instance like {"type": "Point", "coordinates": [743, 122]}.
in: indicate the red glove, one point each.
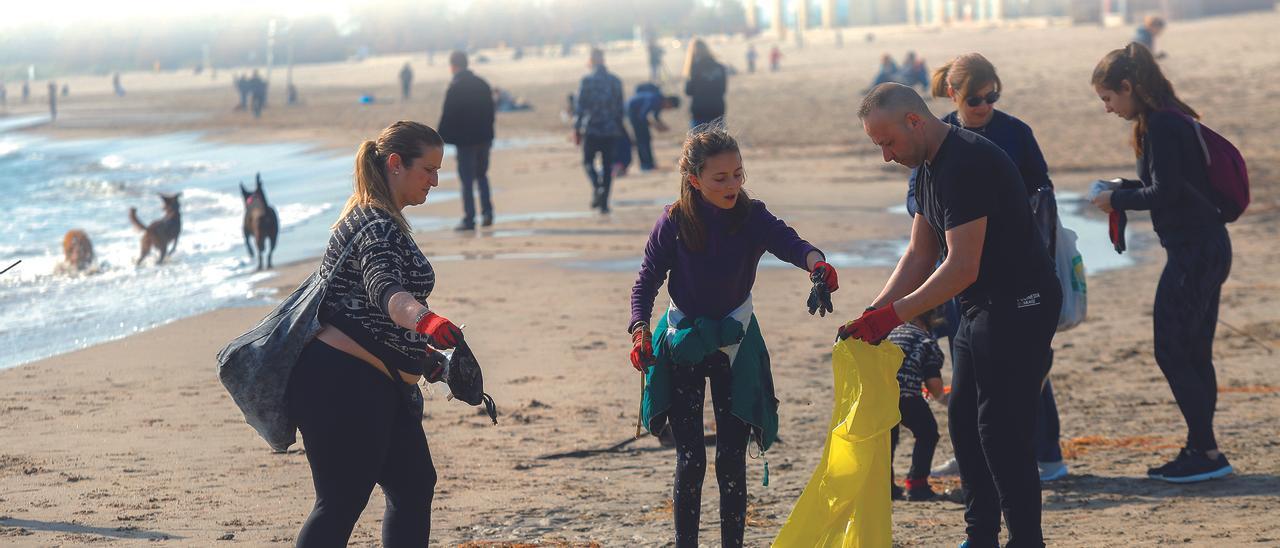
{"type": "Point", "coordinates": [641, 348]}
{"type": "Point", "coordinates": [443, 333]}
{"type": "Point", "coordinates": [873, 326]}
{"type": "Point", "coordinates": [827, 274]}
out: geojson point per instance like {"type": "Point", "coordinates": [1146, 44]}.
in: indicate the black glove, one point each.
{"type": "Point", "coordinates": [824, 282]}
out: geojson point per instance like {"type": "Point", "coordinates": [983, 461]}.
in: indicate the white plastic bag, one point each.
{"type": "Point", "coordinates": [1069, 265]}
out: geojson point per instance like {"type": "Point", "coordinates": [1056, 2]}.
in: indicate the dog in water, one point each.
{"type": "Point", "coordinates": [163, 233]}
{"type": "Point", "coordinates": [77, 252]}
{"type": "Point", "coordinates": [260, 221]}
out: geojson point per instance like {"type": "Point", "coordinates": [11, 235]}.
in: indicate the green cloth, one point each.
{"type": "Point", "coordinates": [694, 340]}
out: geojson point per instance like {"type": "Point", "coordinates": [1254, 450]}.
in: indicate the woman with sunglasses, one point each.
{"type": "Point", "coordinates": [971, 82]}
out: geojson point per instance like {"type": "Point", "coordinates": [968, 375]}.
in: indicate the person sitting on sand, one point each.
{"type": "Point", "coordinates": [888, 71]}
{"type": "Point", "coordinates": [710, 242]}
{"type": "Point", "coordinates": [921, 367]}
{"type": "Point", "coordinates": [353, 393]}
{"type": "Point", "coordinates": [973, 211]}
{"type": "Point", "coordinates": [1173, 184]}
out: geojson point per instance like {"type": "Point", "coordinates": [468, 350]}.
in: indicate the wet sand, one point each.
{"type": "Point", "coordinates": [136, 440]}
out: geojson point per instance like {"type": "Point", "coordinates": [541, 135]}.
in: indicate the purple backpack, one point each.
{"type": "Point", "coordinates": [1227, 173]}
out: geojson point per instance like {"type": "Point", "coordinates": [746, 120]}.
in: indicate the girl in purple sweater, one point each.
{"type": "Point", "coordinates": [710, 241]}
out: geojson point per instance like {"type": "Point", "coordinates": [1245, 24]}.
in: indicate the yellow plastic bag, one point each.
{"type": "Point", "coordinates": [847, 501]}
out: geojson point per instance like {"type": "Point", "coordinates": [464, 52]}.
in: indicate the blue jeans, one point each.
{"type": "Point", "coordinates": [644, 141]}
{"type": "Point", "coordinates": [473, 167]}
{"type": "Point", "coordinates": [1047, 428]}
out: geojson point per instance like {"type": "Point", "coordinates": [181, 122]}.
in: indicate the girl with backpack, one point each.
{"type": "Point", "coordinates": [710, 242]}
{"type": "Point", "coordinates": [1174, 184]}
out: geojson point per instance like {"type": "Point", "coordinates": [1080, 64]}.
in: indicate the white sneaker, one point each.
{"type": "Point", "coordinates": [1052, 471]}
{"type": "Point", "coordinates": [949, 468]}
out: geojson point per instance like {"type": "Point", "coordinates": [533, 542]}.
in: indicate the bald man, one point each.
{"type": "Point", "coordinates": [972, 210]}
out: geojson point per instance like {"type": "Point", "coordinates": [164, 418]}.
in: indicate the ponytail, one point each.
{"type": "Point", "coordinates": [371, 189]}
{"type": "Point", "coordinates": [966, 74]}
{"type": "Point", "coordinates": [1151, 90]}
{"type": "Point", "coordinates": [938, 83]}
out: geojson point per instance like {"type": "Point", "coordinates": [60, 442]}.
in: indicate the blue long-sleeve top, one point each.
{"type": "Point", "coordinates": [1015, 138]}
{"type": "Point", "coordinates": [715, 281]}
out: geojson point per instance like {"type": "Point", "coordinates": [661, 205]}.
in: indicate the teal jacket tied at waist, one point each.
{"type": "Point", "coordinates": [694, 340]}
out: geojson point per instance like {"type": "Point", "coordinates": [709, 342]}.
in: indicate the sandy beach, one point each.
{"type": "Point", "coordinates": [135, 441]}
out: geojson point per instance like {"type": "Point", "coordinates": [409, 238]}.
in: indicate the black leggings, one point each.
{"type": "Point", "coordinates": [918, 418]}
{"type": "Point", "coordinates": [357, 433]}
{"type": "Point", "coordinates": [1001, 356]}
{"type": "Point", "coordinates": [689, 387]}
{"type": "Point", "coordinates": [1185, 318]}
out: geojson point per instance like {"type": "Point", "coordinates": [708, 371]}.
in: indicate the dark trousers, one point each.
{"type": "Point", "coordinates": [1185, 319]}
{"type": "Point", "coordinates": [357, 434]}
{"type": "Point", "coordinates": [689, 385]}
{"type": "Point", "coordinates": [1048, 430]}
{"type": "Point", "coordinates": [601, 181]}
{"type": "Point", "coordinates": [473, 169]}
{"type": "Point", "coordinates": [644, 141]}
{"type": "Point", "coordinates": [1001, 356]}
{"type": "Point", "coordinates": [918, 418]}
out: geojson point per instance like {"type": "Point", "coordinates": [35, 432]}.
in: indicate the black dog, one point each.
{"type": "Point", "coordinates": [260, 221]}
{"type": "Point", "coordinates": [163, 233]}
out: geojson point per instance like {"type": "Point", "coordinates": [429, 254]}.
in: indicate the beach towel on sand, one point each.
{"type": "Point", "coordinates": [846, 503]}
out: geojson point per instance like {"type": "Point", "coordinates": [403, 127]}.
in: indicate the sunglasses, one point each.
{"type": "Point", "coordinates": [990, 99]}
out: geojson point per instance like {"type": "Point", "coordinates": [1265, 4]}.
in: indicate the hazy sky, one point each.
{"type": "Point", "coordinates": [58, 12]}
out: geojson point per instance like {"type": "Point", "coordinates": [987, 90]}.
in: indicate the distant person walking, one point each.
{"type": "Point", "coordinates": [597, 126]}
{"type": "Point", "coordinates": [257, 94]}
{"type": "Point", "coordinates": [406, 81]}
{"type": "Point", "coordinates": [656, 53]}
{"type": "Point", "coordinates": [775, 59]}
{"type": "Point", "coordinates": [1173, 184]}
{"type": "Point", "coordinates": [53, 101]}
{"type": "Point", "coordinates": [241, 82]}
{"type": "Point", "coordinates": [466, 122]}
{"type": "Point", "coordinates": [752, 54]}
{"type": "Point", "coordinates": [705, 83]}
{"type": "Point", "coordinates": [26, 91]}
{"type": "Point", "coordinates": [115, 85]}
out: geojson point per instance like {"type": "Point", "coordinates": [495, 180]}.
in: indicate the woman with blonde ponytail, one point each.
{"type": "Point", "coordinates": [710, 242]}
{"type": "Point", "coordinates": [354, 392]}
{"type": "Point", "coordinates": [1173, 184]}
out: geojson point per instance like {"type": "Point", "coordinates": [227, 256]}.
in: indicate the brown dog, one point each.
{"type": "Point", "coordinates": [260, 221]}
{"type": "Point", "coordinates": [77, 251]}
{"type": "Point", "coordinates": [162, 234]}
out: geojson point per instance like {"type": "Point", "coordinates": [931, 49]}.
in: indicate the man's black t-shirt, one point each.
{"type": "Point", "coordinates": [971, 178]}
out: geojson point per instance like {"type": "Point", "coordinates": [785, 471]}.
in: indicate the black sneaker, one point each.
{"type": "Point", "coordinates": [486, 220]}
{"type": "Point", "coordinates": [465, 226]}
{"type": "Point", "coordinates": [921, 493]}
{"type": "Point", "coordinates": [1191, 467]}
{"type": "Point", "coordinates": [896, 492]}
